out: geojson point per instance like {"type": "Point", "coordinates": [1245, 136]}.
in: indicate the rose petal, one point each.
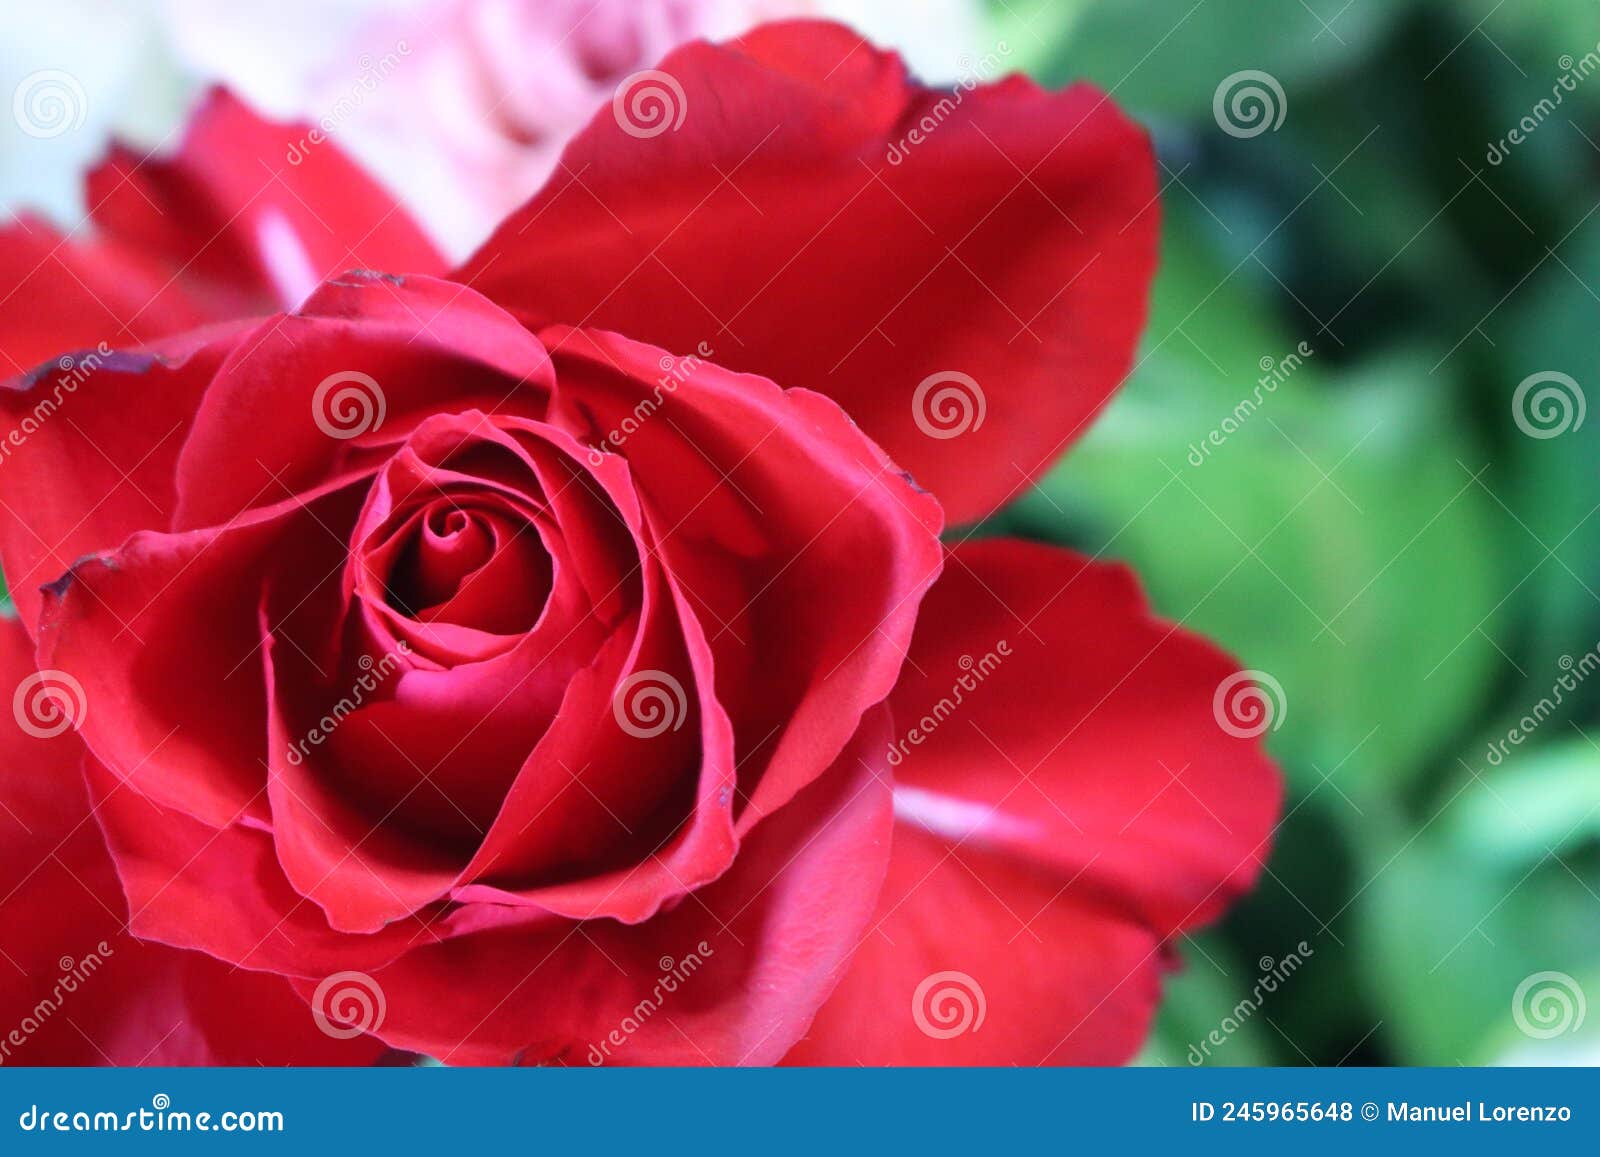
{"type": "Point", "coordinates": [91, 450]}
{"type": "Point", "coordinates": [180, 712]}
{"type": "Point", "coordinates": [1095, 743]}
{"type": "Point", "coordinates": [78, 988]}
{"type": "Point", "coordinates": [806, 594]}
{"type": "Point", "coordinates": [356, 368]}
{"type": "Point", "coordinates": [173, 868]}
{"type": "Point", "coordinates": [243, 219]}
{"type": "Point", "coordinates": [1066, 799]}
{"type": "Point", "coordinates": [1014, 244]}
{"type": "Point", "coordinates": [251, 214]}
{"type": "Point", "coordinates": [974, 959]}
{"type": "Point", "coordinates": [766, 942]}
{"type": "Point", "coordinates": [61, 294]}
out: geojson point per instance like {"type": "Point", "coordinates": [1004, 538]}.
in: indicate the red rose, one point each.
{"type": "Point", "coordinates": [540, 663]}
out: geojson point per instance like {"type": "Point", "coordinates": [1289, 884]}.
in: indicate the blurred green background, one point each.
{"type": "Point", "coordinates": [1379, 535]}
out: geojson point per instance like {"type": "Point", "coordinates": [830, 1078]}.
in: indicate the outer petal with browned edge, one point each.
{"type": "Point", "coordinates": [965, 273]}
{"type": "Point", "coordinates": [59, 296]}
{"type": "Point", "coordinates": [1066, 800]}
{"type": "Point", "coordinates": [76, 987]}
{"type": "Point", "coordinates": [91, 447]}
